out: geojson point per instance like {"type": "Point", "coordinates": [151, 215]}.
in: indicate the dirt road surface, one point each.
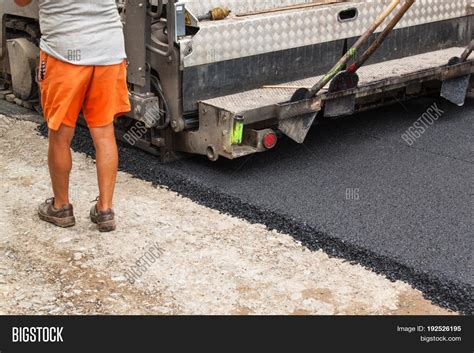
{"type": "Point", "coordinates": [206, 263]}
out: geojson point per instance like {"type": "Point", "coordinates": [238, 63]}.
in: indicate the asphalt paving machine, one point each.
{"type": "Point", "coordinates": [218, 77]}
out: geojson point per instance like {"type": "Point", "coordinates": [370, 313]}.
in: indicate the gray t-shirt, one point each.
{"type": "Point", "coordinates": [82, 32]}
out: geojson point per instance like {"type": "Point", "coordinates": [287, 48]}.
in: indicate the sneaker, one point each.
{"type": "Point", "coordinates": [104, 219]}
{"type": "Point", "coordinates": [62, 217]}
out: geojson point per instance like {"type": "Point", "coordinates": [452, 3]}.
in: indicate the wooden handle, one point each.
{"type": "Point", "coordinates": [382, 36]}
{"type": "Point", "coordinates": [468, 51]}
{"type": "Point", "coordinates": [353, 51]}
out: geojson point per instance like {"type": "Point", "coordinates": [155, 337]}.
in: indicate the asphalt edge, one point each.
{"type": "Point", "coordinates": [449, 294]}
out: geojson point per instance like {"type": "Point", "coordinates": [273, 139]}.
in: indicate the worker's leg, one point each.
{"type": "Point", "coordinates": [106, 99]}
{"type": "Point", "coordinates": [60, 163]}
{"type": "Point", "coordinates": [63, 88]}
{"type": "Point", "coordinates": [107, 164]}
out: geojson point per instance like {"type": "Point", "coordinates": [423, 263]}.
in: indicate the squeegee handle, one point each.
{"type": "Point", "coordinates": [468, 51]}
{"type": "Point", "coordinates": [382, 36]}
{"type": "Point", "coordinates": [353, 51]}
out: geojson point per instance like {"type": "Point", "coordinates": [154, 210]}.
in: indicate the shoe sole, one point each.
{"type": "Point", "coordinates": [108, 226]}
{"type": "Point", "coordinates": [63, 222]}
{"type": "Point", "coordinates": [104, 227]}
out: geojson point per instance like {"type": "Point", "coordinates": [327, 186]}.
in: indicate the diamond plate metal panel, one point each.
{"type": "Point", "coordinates": [241, 102]}
{"type": "Point", "coordinates": [200, 7]}
{"type": "Point", "coordinates": [247, 36]}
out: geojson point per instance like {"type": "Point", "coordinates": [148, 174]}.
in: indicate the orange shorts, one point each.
{"type": "Point", "coordinates": [99, 91]}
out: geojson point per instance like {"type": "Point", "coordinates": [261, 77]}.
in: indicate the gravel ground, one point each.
{"type": "Point", "coordinates": [207, 262]}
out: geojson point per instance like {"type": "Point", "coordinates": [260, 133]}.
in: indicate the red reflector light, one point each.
{"type": "Point", "coordinates": [269, 140]}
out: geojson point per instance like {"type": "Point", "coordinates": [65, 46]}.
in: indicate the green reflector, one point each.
{"type": "Point", "coordinates": [238, 130]}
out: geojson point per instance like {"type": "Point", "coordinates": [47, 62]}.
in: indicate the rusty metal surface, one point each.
{"type": "Point", "coordinates": [297, 128]}
{"type": "Point", "coordinates": [371, 74]}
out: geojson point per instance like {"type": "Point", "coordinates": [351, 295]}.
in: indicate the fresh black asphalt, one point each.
{"type": "Point", "coordinates": [355, 189]}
